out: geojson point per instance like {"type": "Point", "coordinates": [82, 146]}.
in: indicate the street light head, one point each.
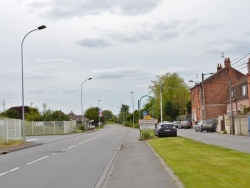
{"type": "Point", "coordinates": [131, 92]}
{"type": "Point", "coordinates": [41, 27]}
{"type": "Point", "coordinates": [89, 78]}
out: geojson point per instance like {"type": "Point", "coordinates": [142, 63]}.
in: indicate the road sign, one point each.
{"type": "Point", "coordinates": [147, 126]}
{"type": "Point", "coordinates": [148, 121]}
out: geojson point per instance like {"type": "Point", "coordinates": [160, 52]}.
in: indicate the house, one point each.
{"type": "Point", "coordinates": [210, 97]}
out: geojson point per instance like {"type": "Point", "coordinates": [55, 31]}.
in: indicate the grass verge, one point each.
{"type": "Point", "coordinates": [202, 165]}
{"type": "Point", "coordinates": [10, 143]}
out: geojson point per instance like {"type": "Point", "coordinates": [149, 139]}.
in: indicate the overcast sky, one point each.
{"type": "Point", "coordinates": [122, 45]}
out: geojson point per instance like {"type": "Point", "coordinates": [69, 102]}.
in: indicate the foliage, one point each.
{"type": "Point", "coordinates": [173, 89]}
{"type": "Point", "coordinates": [246, 109]}
{"type": "Point", "coordinates": [92, 114]}
{"type": "Point", "coordinates": [171, 110]}
{"type": "Point", "coordinates": [196, 167]}
{"type": "Point", "coordinates": [107, 114]}
{"type": "Point", "coordinates": [33, 115]}
{"type": "Point", "coordinates": [10, 113]}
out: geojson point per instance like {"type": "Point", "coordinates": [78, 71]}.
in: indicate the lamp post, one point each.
{"type": "Point", "coordinates": [203, 96]}
{"type": "Point", "coordinates": [133, 109]}
{"type": "Point", "coordinates": [161, 99]}
{"type": "Point", "coordinates": [23, 126]}
{"type": "Point", "coordinates": [99, 114]}
{"type": "Point", "coordinates": [81, 99]}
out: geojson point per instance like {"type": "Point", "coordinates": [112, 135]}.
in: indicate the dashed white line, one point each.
{"type": "Point", "coordinates": [9, 171]}
{"type": "Point", "coordinates": [37, 160]}
{"type": "Point", "coordinates": [72, 146]}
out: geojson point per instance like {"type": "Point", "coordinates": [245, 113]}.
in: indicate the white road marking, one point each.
{"type": "Point", "coordinates": [72, 146]}
{"type": "Point", "coordinates": [31, 140]}
{"type": "Point", "coordinates": [9, 171]}
{"type": "Point", "coordinates": [37, 160]}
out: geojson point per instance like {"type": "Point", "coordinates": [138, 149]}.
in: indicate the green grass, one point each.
{"type": "Point", "coordinates": [147, 134]}
{"type": "Point", "coordinates": [202, 165]}
{"type": "Point", "coordinates": [5, 144]}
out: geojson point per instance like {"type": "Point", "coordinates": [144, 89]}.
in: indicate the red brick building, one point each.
{"type": "Point", "coordinates": [209, 98]}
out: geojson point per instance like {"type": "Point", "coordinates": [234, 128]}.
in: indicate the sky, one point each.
{"type": "Point", "coordinates": [122, 45]}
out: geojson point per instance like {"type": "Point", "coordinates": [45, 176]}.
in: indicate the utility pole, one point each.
{"type": "Point", "coordinates": [231, 106]}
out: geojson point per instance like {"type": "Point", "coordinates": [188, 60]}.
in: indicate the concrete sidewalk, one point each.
{"type": "Point", "coordinates": [137, 165]}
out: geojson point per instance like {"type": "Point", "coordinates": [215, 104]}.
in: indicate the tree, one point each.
{"type": "Point", "coordinates": [173, 89]}
{"type": "Point", "coordinates": [11, 113]}
{"type": "Point", "coordinates": [33, 115]}
{"type": "Point", "coordinates": [107, 114]}
{"type": "Point", "coordinates": [124, 111]}
{"type": "Point", "coordinates": [171, 111]}
{"type": "Point", "coordinates": [92, 114]}
{"type": "Point", "coordinates": [58, 115]}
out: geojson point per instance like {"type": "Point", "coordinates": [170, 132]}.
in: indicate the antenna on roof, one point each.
{"type": "Point", "coordinates": [222, 55]}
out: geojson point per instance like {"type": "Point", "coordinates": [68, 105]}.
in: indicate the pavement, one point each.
{"type": "Point", "coordinates": [136, 165]}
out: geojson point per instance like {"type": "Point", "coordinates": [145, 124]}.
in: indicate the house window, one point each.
{"type": "Point", "coordinates": [244, 90]}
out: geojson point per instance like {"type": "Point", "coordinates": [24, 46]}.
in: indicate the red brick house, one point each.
{"type": "Point", "coordinates": [209, 97]}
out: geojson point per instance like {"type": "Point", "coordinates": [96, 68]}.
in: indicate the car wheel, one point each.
{"type": "Point", "coordinates": [175, 135]}
{"type": "Point", "coordinates": [195, 130]}
{"type": "Point", "coordinates": [200, 130]}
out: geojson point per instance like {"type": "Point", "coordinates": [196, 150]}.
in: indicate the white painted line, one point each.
{"type": "Point", "coordinates": [3, 173]}
{"type": "Point", "coordinates": [31, 140]}
{"type": "Point", "coordinates": [37, 160]}
{"type": "Point", "coordinates": [9, 171]}
{"type": "Point", "coordinates": [63, 150]}
{"type": "Point", "coordinates": [14, 169]}
{"type": "Point", "coordinates": [72, 146]}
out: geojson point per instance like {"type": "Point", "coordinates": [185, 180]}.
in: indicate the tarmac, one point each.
{"type": "Point", "coordinates": [137, 165]}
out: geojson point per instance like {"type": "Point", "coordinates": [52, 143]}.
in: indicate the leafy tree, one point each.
{"type": "Point", "coordinates": [33, 115]}
{"type": "Point", "coordinates": [58, 115]}
{"type": "Point", "coordinates": [171, 111]}
{"type": "Point", "coordinates": [124, 112]}
{"type": "Point", "coordinates": [173, 89]}
{"type": "Point", "coordinates": [92, 114]}
{"type": "Point", "coordinates": [107, 114]}
{"type": "Point", "coordinates": [11, 113]}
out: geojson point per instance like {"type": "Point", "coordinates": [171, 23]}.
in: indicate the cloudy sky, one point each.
{"type": "Point", "coordinates": [122, 45]}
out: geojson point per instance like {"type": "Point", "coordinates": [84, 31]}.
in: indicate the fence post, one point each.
{"type": "Point", "coordinates": [7, 130]}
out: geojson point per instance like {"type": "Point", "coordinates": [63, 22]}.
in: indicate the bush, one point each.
{"type": "Point", "coordinates": [146, 135]}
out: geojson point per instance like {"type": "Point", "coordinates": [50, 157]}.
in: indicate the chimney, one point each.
{"type": "Point", "coordinates": [227, 63]}
{"type": "Point", "coordinates": [219, 67]}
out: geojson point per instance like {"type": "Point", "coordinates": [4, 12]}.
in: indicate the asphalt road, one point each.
{"type": "Point", "coordinates": [70, 161]}
{"type": "Point", "coordinates": [239, 143]}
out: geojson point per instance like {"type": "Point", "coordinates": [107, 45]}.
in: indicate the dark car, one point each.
{"type": "Point", "coordinates": [176, 123]}
{"type": "Point", "coordinates": [165, 129]}
{"type": "Point", "coordinates": [205, 125]}
{"type": "Point", "coordinates": [185, 125]}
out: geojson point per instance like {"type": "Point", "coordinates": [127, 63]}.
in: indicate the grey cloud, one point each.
{"type": "Point", "coordinates": [94, 43]}
{"type": "Point", "coordinates": [71, 8]}
{"type": "Point", "coordinates": [122, 72]}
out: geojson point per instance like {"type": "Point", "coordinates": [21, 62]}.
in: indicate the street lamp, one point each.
{"type": "Point", "coordinates": [161, 99]}
{"type": "Point", "coordinates": [81, 99]}
{"type": "Point", "coordinates": [99, 114]}
{"type": "Point", "coordinates": [133, 109]}
{"type": "Point", "coordinates": [203, 96]}
{"type": "Point", "coordinates": [23, 126]}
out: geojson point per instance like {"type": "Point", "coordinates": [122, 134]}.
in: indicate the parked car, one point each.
{"type": "Point", "coordinates": [185, 124]}
{"type": "Point", "coordinates": [176, 123]}
{"type": "Point", "coordinates": [205, 125]}
{"type": "Point", "coordinates": [165, 129]}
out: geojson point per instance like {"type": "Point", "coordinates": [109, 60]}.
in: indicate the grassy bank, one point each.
{"type": "Point", "coordinates": [201, 165]}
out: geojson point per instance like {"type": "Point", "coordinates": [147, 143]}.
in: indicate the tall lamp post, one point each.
{"type": "Point", "coordinates": [99, 114]}
{"type": "Point", "coordinates": [133, 109]}
{"type": "Point", "coordinates": [23, 126]}
{"type": "Point", "coordinates": [81, 99]}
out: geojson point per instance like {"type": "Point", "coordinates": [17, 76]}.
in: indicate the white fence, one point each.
{"type": "Point", "coordinates": [49, 127]}
{"type": "Point", "coordinates": [10, 129]}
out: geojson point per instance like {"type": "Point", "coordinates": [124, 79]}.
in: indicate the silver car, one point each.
{"type": "Point", "coordinates": [205, 125]}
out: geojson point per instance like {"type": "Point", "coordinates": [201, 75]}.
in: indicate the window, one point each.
{"type": "Point", "coordinates": [244, 90]}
